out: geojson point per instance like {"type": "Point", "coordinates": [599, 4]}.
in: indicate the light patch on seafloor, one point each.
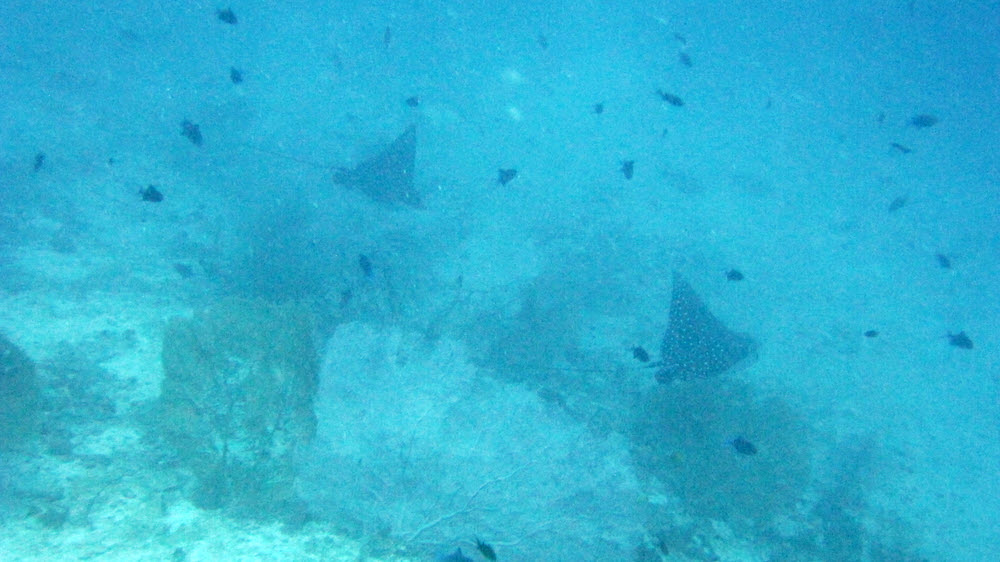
{"type": "Point", "coordinates": [108, 442]}
{"type": "Point", "coordinates": [181, 515]}
{"type": "Point", "coordinates": [512, 77]}
{"type": "Point", "coordinates": [514, 113]}
{"type": "Point", "coordinates": [441, 115]}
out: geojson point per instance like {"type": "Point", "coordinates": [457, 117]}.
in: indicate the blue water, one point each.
{"type": "Point", "coordinates": [795, 137]}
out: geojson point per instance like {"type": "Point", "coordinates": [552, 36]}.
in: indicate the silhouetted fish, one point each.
{"type": "Point", "coordinates": [923, 121]}
{"type": "Point", "coordinates": [743, 447]}
{"type": "Point", "coordinates": [897, 203]}
{"type": "Point", "coordinates": [599, 108]}
{"type": "Point", "coordinates": [227, 16]}
{"type": "Point", "coordinates": [486, 550]}
{"type": "Point", "coordinates": [640, 353]}
{"type": "Point", "coordinates": [235, 76]}
{"type": "Point", "coordinates": [505, 176]}
{"type": "Point", "coordinates": [39, 161]}
{"type": "Point", "coordinates": [192, 132]}
{"type": "Point", "coordinates": [365, 264]}
{"type": "Point", "coordinates": [670, 98]}
{"type": "Point", "coordinates": [960, 340]}
{"type": "Point", "coordinates": [184, 270]}
{"type": "Point", "coordinates": [628, 166]}
{"type": "Point", "coordinates": [151, 194]}
{"type": "Point", "coordinates": [944, 262]}
{"type": "Point", "coordinates": [734, 275]}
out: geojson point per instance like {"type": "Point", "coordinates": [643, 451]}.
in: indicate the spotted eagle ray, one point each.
{"type": "Point", "coordinates": [386, 177]}
{"type": "Point", "coordinates": [697, 345]}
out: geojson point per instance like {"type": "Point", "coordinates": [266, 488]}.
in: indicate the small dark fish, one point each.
{"type": "Point", "coordinates": [960, 340]}
{"type": "Point", "coordinates": [151, 194]}
{"type": "Point", "coordinates": [628, 167]}
{"type": "Point", "coordinates": [897, 203]}
{"type": "Point", "coordinates": [901, 148]}
{"type": "Point", "coordinates": [456, 556]}
{"type": "Point", "coordinates": [871, 334]}
{"type": "Point", "coordinates": [486, 550]}
{"type": "Point", "coordinates": [184, 270]}
{"type": "Point", "coordinates": [504, 176]}
{"type": "Point", "coordinates": [922, 121]}
{"type": "Point", "coordinates": [670, 98]}
{"type": "Point", "coordinates": [543, 41]}
{"type": "Point", "coordinates": [227, 16]}
{"type": "Point", "coordinates": [880, 118]}
{"type": "Point", "coordinates": [192, 132]}
{"type": "Point", "coordinates": [734, 275]}
{"type": "Point", "coordinates": [944, 262]}
{"type": "Point", "coordinates": [365, 264]}
{"type": "Point", "coordinates": [743, 446]}
{"type": "Point", "coordinates": [599, 108]}
{"type": "Point", "coordinates": [39, 161]}
{"type": "Point", "coordinates": [413, 101]}
{"type": "Point", "coordinates": [641, 354]}
{"type": "Point", "coordinates": [387, 37]}
{"type": "Point", "coordinates": [235, 75]}
{"type": "Point", "coordinates": [683, 40]}
{"type": "Point", "coordinates": [685, 59]}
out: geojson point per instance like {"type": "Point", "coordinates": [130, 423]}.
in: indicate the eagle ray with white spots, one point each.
{"type": "Point", "coordinates": [697, 345]}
